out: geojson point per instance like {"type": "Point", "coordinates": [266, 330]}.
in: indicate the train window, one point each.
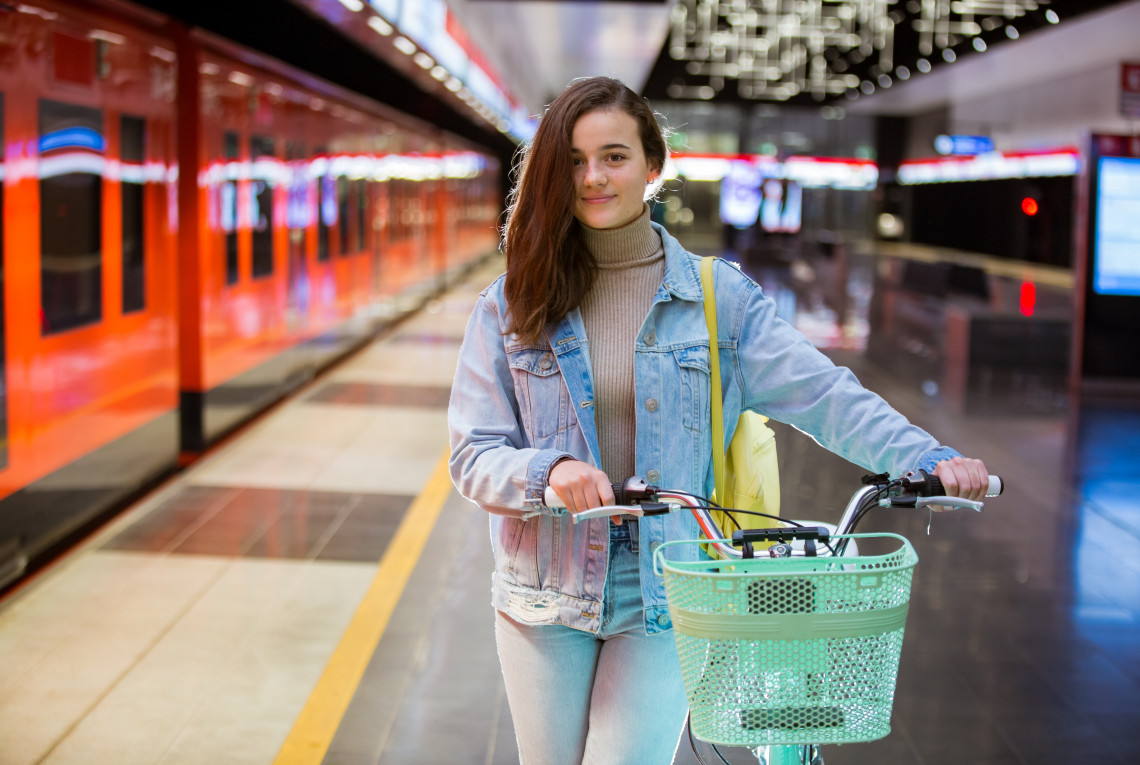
{"type": "Point", "coordinates": [71, 150]}
{"type": "Point", "coordinates": [229, 205]}
{"type": "Point", "coordinates": [297, 219]}
{"type": "Point", "coordinates": [343, 192]}
{"type": "Point", "coordinates": [261, 200]}
{"type": "Point", "coordinates": [396, 192]}
{"type": "Point", "coordinates": [326, 209]}
{"type": "Point", "coordinates": [3, 348]}
{"type": "Point", "coordinates": [132, 138]}
{"type": "Point", "coordinates": [361, 210]}
{"type": "Point", "coordinates": [297, 214]}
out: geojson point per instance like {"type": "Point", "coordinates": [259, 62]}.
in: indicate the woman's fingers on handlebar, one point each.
{"type": "Point", "coordinates": [581, 486]}
{"type": "Point", "coordinates": [964, 477]}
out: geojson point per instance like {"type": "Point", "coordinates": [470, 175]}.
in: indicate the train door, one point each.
{"type": "Point", "coordinates": [228, 204]}
{"type": "Point", "coordinates": [3, 346]}
{"type": "Point", "coordinates": [261, 203]}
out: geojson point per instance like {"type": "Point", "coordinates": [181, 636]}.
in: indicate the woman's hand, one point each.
{"type": "Point", "coordinates": [582, 487]}
{"type": "Point", "coordinates": [963, 477]}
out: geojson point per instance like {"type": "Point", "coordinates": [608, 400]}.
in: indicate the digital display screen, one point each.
{"type": "Point", "coordinates": [780, 212]}
{"type": "Point", "coordinates": [740, 196]}
{"type": "Point", "coordinates": [1116, 268]}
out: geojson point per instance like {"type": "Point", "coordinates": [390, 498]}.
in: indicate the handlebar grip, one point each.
{"type": "Point", "coordinates": [550, 497]}
{"type": "Point", "coordinates": [629, 492]}
{"type": "Point", "coordinates": [936, 489]}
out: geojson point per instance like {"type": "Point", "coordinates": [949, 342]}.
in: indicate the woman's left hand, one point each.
{"type": "Point", "coordinates": [964, 477]}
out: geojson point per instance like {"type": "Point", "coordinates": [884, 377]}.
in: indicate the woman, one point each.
{"type": "Point", "coordinates": [588, 362]}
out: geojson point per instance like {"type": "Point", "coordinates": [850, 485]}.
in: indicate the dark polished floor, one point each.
{"type": "Point", "coordinates": [1023, 638]}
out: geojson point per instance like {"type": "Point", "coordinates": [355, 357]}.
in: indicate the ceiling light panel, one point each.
{"type": "Point", "coordinates": [784, 49]}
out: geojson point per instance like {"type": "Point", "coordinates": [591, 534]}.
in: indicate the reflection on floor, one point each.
{"type": "Point", "coordinates": [1023, 638]}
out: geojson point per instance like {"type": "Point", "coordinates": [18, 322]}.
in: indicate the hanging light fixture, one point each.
{"type": "Point", "coordinates": [784, 49]}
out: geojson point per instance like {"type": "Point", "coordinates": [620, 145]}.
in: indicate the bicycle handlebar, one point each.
{"type": "Point", "coordinates": [929, 485]}
{"type": "Point", "coordinates": [918, 489]}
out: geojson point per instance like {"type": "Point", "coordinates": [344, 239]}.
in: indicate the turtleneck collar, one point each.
{"type": "Point", "coordinates": [635, 243]}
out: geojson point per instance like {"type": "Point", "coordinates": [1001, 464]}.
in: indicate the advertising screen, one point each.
{"type": "Point", "coordinates": [1116, 268]}
{"type": "Point", "coordinates": [740, 194]}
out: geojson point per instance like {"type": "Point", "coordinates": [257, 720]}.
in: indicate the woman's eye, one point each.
{"type": "Point", "coordinates": [616, 157]}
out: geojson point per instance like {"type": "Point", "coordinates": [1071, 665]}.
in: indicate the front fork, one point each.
{"type": "Point", "coordinates": [788, 755]}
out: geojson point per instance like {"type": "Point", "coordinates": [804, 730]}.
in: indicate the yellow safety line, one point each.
{"type": "Point", "coordinates": [318, 722]}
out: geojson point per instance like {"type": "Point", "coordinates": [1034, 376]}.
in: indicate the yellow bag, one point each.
{"type": "Point", "coordinates": [748, 476]}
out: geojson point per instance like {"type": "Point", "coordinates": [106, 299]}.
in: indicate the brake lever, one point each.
{"type": "Point", "coordinates": [956, 502]}
{"type": "Point", "coordinates": [910, 500]}
{"type": "Point", "coordinates": [636, 511]}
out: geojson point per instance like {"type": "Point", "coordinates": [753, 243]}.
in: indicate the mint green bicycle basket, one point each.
{"type": "Point", "coordinates": [790, 650]}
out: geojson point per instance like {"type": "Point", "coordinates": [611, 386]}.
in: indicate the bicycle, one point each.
{"type": "Point", "coordinates": [797, 645]}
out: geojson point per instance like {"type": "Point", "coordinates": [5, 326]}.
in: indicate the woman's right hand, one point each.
{"type": "Point", "coordinates": [581, 486]}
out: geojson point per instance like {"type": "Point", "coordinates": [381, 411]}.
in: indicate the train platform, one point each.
{"type": "Point", "coordinates": [313, 590]}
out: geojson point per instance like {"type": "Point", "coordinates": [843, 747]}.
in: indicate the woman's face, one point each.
{"type": "Point", "coordinates": [610, 169]}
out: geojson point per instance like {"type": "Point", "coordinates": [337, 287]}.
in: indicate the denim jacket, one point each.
{"type": "Point", "coordinates": [518, 407]}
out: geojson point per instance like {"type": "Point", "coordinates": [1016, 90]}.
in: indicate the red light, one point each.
{"type": "Point", "coordinates": [1029, 206]}
{"type": "Point", "coordinates": [1028, 298]}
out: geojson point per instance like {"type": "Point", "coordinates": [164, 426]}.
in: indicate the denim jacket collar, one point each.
{"type": "Point", "coordinates": [682, 270]}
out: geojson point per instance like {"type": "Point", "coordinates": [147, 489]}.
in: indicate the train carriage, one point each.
{"type": "Point", "coordinates": [190, 230]}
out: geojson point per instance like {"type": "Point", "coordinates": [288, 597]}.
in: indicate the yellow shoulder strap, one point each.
{"type": "Point", "coordinates": [708, 288]}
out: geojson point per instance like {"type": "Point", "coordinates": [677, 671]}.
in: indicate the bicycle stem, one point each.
{"type": "Point", "coordinates": [852, 509]}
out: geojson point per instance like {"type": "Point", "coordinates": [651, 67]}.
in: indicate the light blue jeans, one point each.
{"type": "Point", "coordinates": [581, 699]}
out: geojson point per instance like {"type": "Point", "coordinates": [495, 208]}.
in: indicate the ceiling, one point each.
{"type": "Point", "coordinates": [1090, 41]}
{"type": "Point", "coordinates": [540, 45]}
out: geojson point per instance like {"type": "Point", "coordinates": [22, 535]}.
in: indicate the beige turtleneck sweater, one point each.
{"type": "Point", "coordinates": [631, 266]}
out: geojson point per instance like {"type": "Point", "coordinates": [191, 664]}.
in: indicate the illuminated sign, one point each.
{"type": "Point", "coordinates": [963, 144]}
{"type": "Point", "coordinates": [809, 172]}
{"type": "Point", "coordinates": [992, 166]}
{"type": "Point", "coordinates": [1117, 268]}
{"type": "Point", "coordinates": [1130, 90]}
{"type": "Point", "coordinates": [433, 37]}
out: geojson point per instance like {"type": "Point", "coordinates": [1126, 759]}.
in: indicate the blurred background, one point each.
{"type": "Point", "coordinates": [209, 209]}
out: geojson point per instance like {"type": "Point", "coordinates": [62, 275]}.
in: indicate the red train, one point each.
{"type": "Point", "coordinates": [189, 231]}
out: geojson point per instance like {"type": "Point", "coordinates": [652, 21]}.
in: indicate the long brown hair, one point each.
{"type": "Point", "coordinates": [549, 269]}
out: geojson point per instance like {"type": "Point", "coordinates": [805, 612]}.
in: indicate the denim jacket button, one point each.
{"type": "Point", "coordinates": [653, 476]}
{"type": "Point", "coordinates": [651, 405]}
{"type": "Point", "coordinates": [546, 363]}
{"type": "Point", "coordinates": [663, 620]}
{"type": "Point", "coordinates": [651, 339]}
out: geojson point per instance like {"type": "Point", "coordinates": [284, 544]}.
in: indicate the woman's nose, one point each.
{"type": "Point", "coordinates": [594, 174]}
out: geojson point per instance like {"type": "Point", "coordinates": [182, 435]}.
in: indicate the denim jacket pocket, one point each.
{"type": "Point", "coordinates": [695, 379]}
{"type": "Point", "coordinates": [544, 401]}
